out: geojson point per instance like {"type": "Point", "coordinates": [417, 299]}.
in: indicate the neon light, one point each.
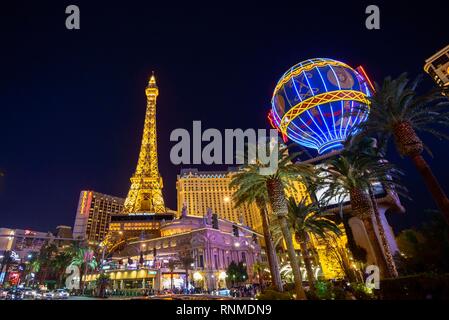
{"type": "Point", "coordinates": [303, 103]}
{"type": "Point", "coordinates": [341, 102]}
{"type": "Point", "coordinates": [274, 126]}
{"type": "Point", "coordinates": [361, 70]}
{"type": "Point", "coordinates": [339, 95]}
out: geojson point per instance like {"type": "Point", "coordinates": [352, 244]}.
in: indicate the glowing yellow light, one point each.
{"type": "Point", "coordinates": [226, 199]}
{"type": "Point", "coordinates": [222, 275]}
{"type": "Point", "coordinates": [307, 67]}
{"type": "Point", "coordinates": [146, 179]}
{"type": "Point", "coordinates": [197, 276]}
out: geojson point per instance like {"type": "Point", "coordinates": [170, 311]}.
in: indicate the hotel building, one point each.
{"type": "Point", "coordinates": [200, 190]}
{"type": "Point", "coordinates": [143, 264]}
{"type": "Point", "coordinates": [437, 66]}
{"type": "Point", "coordinates": [94, 214]}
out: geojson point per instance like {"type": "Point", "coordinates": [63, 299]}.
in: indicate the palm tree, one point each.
{"type": "Point", "coordinates": [102, 282]}
{"type": "Point", "coordinates": [83, 258]}
{"type": "Point", "coordinates": [340, 254]}
{"type": "Point", "coordinates": [273, 185]}
{"type": "Point", "coordinates": [353, 174]}
{"type": "Point", "coordinates": [248, 193]}
{"type": "Point", "coordinates": [397, 111]}
{"type": "Point", "coordinates": [45, 257]}
{"type": "Point", "coordinates": [307, 220]}
{"type": "Point", "coordinates": [171, 266]}
{"type": "Point", "coordinates": [259, 267]}
{"type": "Point", "coordinates": [61, 261]}
{"type": "Point", "coordinates": [33, 266]}
{"type": "Point", "coordinates": [186, 261]}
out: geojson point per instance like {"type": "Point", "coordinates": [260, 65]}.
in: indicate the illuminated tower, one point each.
{"type": "Point", "coordinates": [145, 193]}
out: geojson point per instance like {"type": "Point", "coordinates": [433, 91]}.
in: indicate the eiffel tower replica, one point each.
{"type": "Point", "coordinates": [144, 208]}
{"type": "Point", "coordinates": [145, 194]}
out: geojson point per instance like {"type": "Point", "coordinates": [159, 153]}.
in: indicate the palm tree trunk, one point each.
{"type": "Point", "coordinates": [259, 272]}
{"type": "Point", "coordinates": [307, 263]}
{"type": "Point", "coordinates": [61, 275]}
{"type": "Point", "coordinates": [433, 185]}
{"type": "Point", "coordinates": [300, 294]}
{"type": "Point", "coordinates": [362, 208]}
{"type": "Point", "coordinates": [391, 266]}
{"type": "Point", "coordinates": [271, 250]}
{"type": "Point", "coordinates": [83, 273]}
{"type": "Point", "coordinates": [275, 190]}
{"type": "Point", "coordinates": [171, 279]}
{"type": "Point", "coordinates": [378, 254]}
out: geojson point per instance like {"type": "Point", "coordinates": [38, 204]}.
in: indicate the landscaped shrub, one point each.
{"type": "Point", "coordinates": [274, 295]}
{"type": "Point", "coordinates": [323, 290]}
{"type": "Point", "coordinates": [362, 292]}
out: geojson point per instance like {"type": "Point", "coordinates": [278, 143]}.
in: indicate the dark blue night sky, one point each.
{"type": "Point", "coordinates": [72, 102]}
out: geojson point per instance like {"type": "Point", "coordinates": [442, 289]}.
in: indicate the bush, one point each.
{"type": "Point", "coordinates": [323, 290]}
{"type": "Point", "coordinates": [362, 292]}
{"type": "Point", "coordinates": [274, 295]}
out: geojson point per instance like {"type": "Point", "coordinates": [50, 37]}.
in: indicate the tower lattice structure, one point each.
{"type": "Point", "coordinates": [145, 193]}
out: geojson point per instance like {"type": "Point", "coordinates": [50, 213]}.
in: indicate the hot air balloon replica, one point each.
{"type": "Point", "coordinates": [318, 102]}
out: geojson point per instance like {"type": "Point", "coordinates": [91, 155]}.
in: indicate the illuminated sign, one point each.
{"type": "Point", "coordinates": [85, 202]}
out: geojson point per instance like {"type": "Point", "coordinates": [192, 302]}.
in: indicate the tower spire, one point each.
{"type": "Point", "coordinates": [152, 81]}
{"type": "Point", "coordinates": [145, 193]}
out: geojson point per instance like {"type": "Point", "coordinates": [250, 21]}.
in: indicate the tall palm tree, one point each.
{"type": "Point", "coordinates": [397, 111]}
{"type": "Point", "coordinates": [307, 220]}
{"type": "Point", "coordinates": [172, 266]}
{"type": "Point", "coordinates": [186, 261]}
{"type": "Point", "coordinates": [353, 174]}
{"type": "Point", "coordinates": [61, 261]}
{"type": "Point", "coordinates": [33, 266]}
{"type": "Point", "coordinates": [248, 193]}
{"type": "Point", "coordinates": [102, 282]}
{"type": "Point", "coordinates": [45, 257]}
{"type": "Point", "coordinates": [367, 147]}
{"type": "Point", "coordinates": [82, 257]}
{"type": "Point", "coordinates": [274, 183]}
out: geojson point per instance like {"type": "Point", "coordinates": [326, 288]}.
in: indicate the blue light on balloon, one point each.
{"type": "Point", "coordinates": [318, 102]}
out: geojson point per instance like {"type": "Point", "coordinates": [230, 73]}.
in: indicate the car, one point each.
{"type": "Point", "coordinates": [29, 294]}
{"type": "Point", "coordinates": [3, 293]}
{"type": "Point", "coordinates": [14, 294]}
{"type": "Point", "coordinates": [32, 294]}
{"type": "Point", "coordinates": [48, 295]}
{"type": "Point", "coordinates": [38, 295]}
{"type": "Point", "coordinates": [224, 292]}
{"type": "Point", "coordinates": [61, 294]}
